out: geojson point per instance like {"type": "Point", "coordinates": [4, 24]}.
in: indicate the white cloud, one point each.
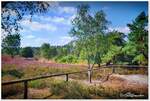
{"type": "Point", "coordinates": [51, 19]}
{"type": "Point", "coordinates": [57, 8]}
{"type": "Point", "coordinates": [69, 10]}
{"type": "Point", "coordinates": [65, 39]}
{"type": "Point", "coordinates": [35, 42]}
{"type": "Point", "coordinates": [56, 19]}
{"type": "Point", "coordinates": [120, 29]}
{"type": "Point", "coordinates": [30, 36]}
{"type": "Point", "coordinates": [41, 40]}
{"type": "Point", "coordinates": [36, 26]}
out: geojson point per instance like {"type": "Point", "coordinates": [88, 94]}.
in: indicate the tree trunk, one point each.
{"type": "Point", "coordinates": [113, 69]}
{"type": "Point", "coordinates": [99, 65]}
{"type": "Point", "coordinates": [90, 76]}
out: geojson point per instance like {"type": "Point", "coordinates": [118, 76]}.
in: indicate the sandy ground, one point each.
{"type": "Point", "coordinates": [132, 83]}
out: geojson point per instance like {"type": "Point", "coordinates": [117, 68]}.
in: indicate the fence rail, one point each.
{"type": "Point", "coordinates": [26, 80]}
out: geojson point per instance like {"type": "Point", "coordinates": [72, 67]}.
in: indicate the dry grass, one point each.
{"type": "Point", "coordinates": [60, 89]}
{"type": "Point", "coordinates": [13, 89]}
{"type": "Point", "coordinates": [123, 85]}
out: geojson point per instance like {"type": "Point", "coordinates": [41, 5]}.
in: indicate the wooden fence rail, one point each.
{"type": "Point", "coordinates": [25, 81]}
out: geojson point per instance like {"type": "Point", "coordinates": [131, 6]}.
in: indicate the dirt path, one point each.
{"type": "Point", "coordinates": [140, 79]}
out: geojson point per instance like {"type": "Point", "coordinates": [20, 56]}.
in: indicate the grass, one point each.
{"type": "Point", "coordinates": [12, 70]}
{"type": "Point", "coordinates": [58, 87]}
{"type": "Point", "coordinates": [40, 84]}
{"type": "Point", "coordinates": [70, 90]}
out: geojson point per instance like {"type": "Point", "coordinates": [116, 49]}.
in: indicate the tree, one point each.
{"type": "Point", "coordinates": [138, 37]}
{"type": "Point", "coordinates": [27, 52]}
{"type": "Point", "coordinates": [48, 51]}
{"type": "Point", "coordinates": [13, 12]}
{"type": "Point", "coordinates": [11, 45]}
{"type": "Point", "coordinates": [114, 42]}
{"type": "Point", "coordinates": [45, 51]}
{"type": "Point", "coordinates": [89, 31]}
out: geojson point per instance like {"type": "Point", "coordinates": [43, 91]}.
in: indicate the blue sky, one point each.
{"type": "Point", "coordinates": [53, 26]}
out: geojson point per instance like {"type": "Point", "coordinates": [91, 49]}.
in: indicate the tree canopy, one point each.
{"type": "Point", "coordinates": [14, 11]}
{"type": "Point", "coordinates": [89, 32]}
{"type": "Point", "coordinates": [11, 44]}
{"type": "Point", "coordinates": [27, 52]}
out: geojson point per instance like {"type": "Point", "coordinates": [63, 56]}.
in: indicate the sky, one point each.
{"type": "Point", "coordinates": [53, 27]}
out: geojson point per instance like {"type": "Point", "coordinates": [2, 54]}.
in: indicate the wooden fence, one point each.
{"type": "Point", "coordinates": [25, 81]}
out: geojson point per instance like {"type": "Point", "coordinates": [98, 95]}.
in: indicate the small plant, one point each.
{"type": "Point", "coordinates": [13, 72]}
{"type": "Point", "coordinates": [38, 84]}
{"type": "Point", "coordinates": [57, 87]}
{"type": "Point", "coordinates": [70, 90]}
{"type": "Point", "coordinates": [76, 90]}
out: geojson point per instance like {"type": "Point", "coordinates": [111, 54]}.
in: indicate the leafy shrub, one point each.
{"type": "Point", "coordinates": [114, 50]}
{"type": "Point", "coordinates": [76, 90]}
{"type": "Point", "coordinates": [70, 90]}
{"type": "Point", "coordinates": [38, 84]}
{"type": "Point", "coordinates": [68, 59]}
{"type": "Point", "coordinates": [13, 72]}
{"type": "Point", "coordinates": [140, 59]}
{"type": "Point", "coordinates": [57, 86]}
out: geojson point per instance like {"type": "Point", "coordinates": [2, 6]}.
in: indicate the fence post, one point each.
{"type": "Point", "coordinates": [113, 69]}
{"type": "Point", "coordinates": [66, 77]}
{"type": "Point", "coordinates": [90, 75]}
{"type": "Point", "coordinates": [25, 89]}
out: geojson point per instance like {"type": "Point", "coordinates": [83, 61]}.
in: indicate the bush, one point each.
{"type": "Point", "coordinates": [58, 87]}
{"type": "Point", "coordinates": [38, 84]}
{"type": "Point", "coordinates": [70, 90]}
{"type": "Point", "coordinates": [140, 59]}
{"type": "Point", "coordinates": [76, 90]}
{"type": "Point", "coordinates": [13, 72]}
{"type": "Point", "coordinates": [27, 52]}
{"type": "Point", "coordinates": [67, 59]}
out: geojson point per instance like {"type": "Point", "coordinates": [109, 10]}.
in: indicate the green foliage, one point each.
{"type": "Point", "coordinates": [58, 87]}
{"type": "Point", "coordinates": [13, 72]}
{"type": "Point", "coordinates": [38, 84]}
{"type": "Point", "coordinates": [138, 37]}
{"type": "Point", "coordinates": [140, 59]}
{"type": "Point", "coordinates": [89, 32]}
{"type": "Point", "coordinates": [45, 50]}
{"type": "Point", "coordinates": [70, 90]}
{"type": "Point", "coordinates": [36, 52]}
{"type": "Point", "coordinates": [27, 52]}
{"type": "Point", "coordinates": [68, 59]}
{"type": "Point", "coordinates": [49, 52]}
{"type": "Point", "coordinates": [75, 90]}
{"type": "Point", "coordinates": [129, 49]}
{"type": "Point", "coordinates": [11, 21]}
{"type": "Point", "coordinates": [113, 51]}
{"type": "Point", "coordinates": [11, 44]}
{"type": "Point", "coordinates": [115, 38]}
